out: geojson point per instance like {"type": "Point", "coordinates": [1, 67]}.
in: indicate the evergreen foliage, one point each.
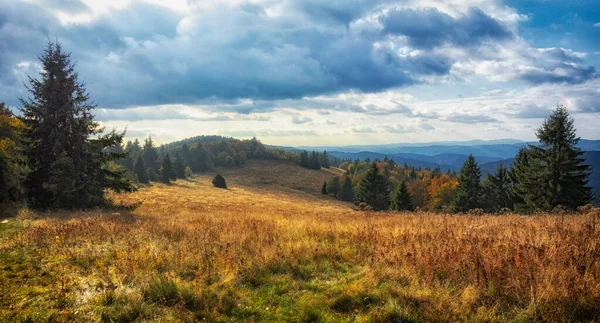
{"type": "Point", "coordinates": [402, 201]}
{"type": "Point", "coordinates": [556, 174]}
{"type": "Point", "coordinates": [346, 192]}
{"type": "Point", "coordinates": [167, 171]}
{"type": "Point", "coordinates": [141, 170]}
{"type": "Point", "coordinates": [469, 193]}
{"type": "Point", "coordinates": [219, 181]}
{"type": "Point", "coordinates": [324, 188]}
{"type": "Point", "coordinates": [498, 189]}
{"type": "Point", "coordinates": [68, 167]}
{"type": "Point", "coordinates": [151, 159]}
{"type": "Point", "coordinates": [179, 167]}
{"type": "Point", "coordinates": [374, 189]}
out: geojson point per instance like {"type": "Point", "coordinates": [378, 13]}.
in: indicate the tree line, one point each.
{"type": "Point", "coordinates": [551, 175]}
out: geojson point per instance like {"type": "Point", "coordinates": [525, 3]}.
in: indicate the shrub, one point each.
{"type": "Point", "coordinates": [219, 181]}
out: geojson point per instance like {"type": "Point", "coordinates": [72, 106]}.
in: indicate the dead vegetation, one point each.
{"type": "Point", "coordinates": [280, 251]}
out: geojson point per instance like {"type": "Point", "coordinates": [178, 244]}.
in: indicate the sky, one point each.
{"type": "Point", "coordinates": [313, 72]}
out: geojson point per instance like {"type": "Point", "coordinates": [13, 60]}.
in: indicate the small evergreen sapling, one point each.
{"type": "Point", "coordinates": [219, 181]}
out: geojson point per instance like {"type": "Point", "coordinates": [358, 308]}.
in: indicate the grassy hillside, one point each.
{"type": "Point", "coordinates": [271, 248]}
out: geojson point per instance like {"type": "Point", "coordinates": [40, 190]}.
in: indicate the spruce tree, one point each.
{"type": "Point", "coordinates": [518, 174]}
{"type": "Point", "coordinates": [374, 189]}
{"type": "Point", "coordinates": [556, 166]}
{"type": "Point", "coordinates": [402, 201]}
{"type": "Point", "coordinates": [167, 172]}
{"type": "Point", "coordinates": [346, 192]}
{"type": "Point", "coordinates": [140, 170]}
{"type": "Point", "coordinates": [67, 163]}
{"type": "Point", "coordinates": [179, 167]}
{"type": "Point", "coordinates": [324, 188]}
{"type": "Point", "coordinates": [468, 194]}
{"type": "Point", "coordinates": [497, 189]}
{"type": "Point", "coordinates": [151, 159]}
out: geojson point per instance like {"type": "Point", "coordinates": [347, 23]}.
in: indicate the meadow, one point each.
{"type": "Point", "coordinates": [272, 248]}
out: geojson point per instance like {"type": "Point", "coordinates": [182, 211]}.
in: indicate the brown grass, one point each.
{"type": "Point", "coordinates": [271, 248]}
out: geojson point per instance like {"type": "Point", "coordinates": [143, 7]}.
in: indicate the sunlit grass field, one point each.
{"type": "Point", "coordinates": [272, 248]}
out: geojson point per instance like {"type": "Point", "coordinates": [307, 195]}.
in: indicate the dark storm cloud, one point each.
{"type": "Point", "coordinates": [428, 27]}
{"type": "Point", "coordinates": [561, 73]}
{"type": "Point", "coordinates": [145, 54]}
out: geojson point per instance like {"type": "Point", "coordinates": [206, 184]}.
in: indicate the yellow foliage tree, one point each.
{"type": "Point", "coordinates": [12, 161]}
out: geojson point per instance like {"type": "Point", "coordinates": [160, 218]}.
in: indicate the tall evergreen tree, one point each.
{"type": "Point", "coordinates": [67, 164]}
{"type": "Point", "coordinates": [179, 166]}
{"type": "Point", "coordinates": [151, 158]}
{"type": "Point", "coordinates": [402, 201]}
{"type": "Point", "coordinates": [346, 192]}
{"type": "Point", "coordinates": [324, 188]}
{"type": "Point", "coordinates": [497, 189]}
{"type": "Point", "coordinates": [374, 189]}
{"type": "Point", "coordinates": [468, 194]}
{"type": "Point", "coordinates": [518, 174]}
{"type": "Point", "coordinates": [557, 173]}
{"type": "Point", "coordinates": [167, 172]}
{"type": "Point", "coordinates": [140, 170]}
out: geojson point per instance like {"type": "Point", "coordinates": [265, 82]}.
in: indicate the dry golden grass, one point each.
{"type": "Point", "coordinates": [272, 248]}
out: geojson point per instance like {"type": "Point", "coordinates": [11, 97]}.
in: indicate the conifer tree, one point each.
{"type": "Point", "coordinates": [346, 192]}
{"type": "Point", "coordinates": [219, 181]}
{"type": "Point", "coordinates": [402, 201]}
{"type": "Point", "coordinates": [374, 189]}
{"type": "Point", "coordinates": [468, 194]}
{"type": "Point", "coordinates": [151, 158]}
{"type": "Point", "coordinates": [557, 174]}
{"type": "Point", "coordinates": [324, 188]}
{"type": "Point", "coordinates": [140, 170]}
{"type": "Point", "coordinates": [67, 163]}
{"type": "Point", "coordinates": [179, 167]}
{"type": "Point", "coordinates": [518, 174]}
{"type": "Point", "coordinates": [497, 189]}
{"type": "Point", "coordinates": [167, 172]}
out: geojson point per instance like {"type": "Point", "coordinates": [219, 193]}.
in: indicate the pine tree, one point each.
{"type": "Point", "coordinates": [402, 201]}
{"type": "Point", "coordinates": [346, 192]}
{"type": "Point", "coordinates": [497, 190]}
{"type": "Point", "coordinates": [324, 188]}
{"type": "Point", "coordinates": [67, 163]}
{"type": "Point", "coordinates": [374, 189]}
{"type": "Point", "coordinates": [179, 167]}
{"type": "Point", "coordinates": [468, 194]}
{"type": "Point", "coordinates": [167, 172]}
{"type": "Point", "coordinates": [140, 170]}
{"type": "Point", "coordinates": [518, 174]}
{"type": "Point", "coordinates": [555, 173]}
{"type": "Point", "coordinates": [151, 158]}
{"type": "Point", "coordinates": [201, 161]}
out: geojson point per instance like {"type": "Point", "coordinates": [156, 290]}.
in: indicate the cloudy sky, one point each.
{"type": "Point", "coordinates": [314, 72]}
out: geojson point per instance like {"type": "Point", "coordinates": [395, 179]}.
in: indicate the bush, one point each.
{"type": "Point", "coordinates": [219, 181]}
